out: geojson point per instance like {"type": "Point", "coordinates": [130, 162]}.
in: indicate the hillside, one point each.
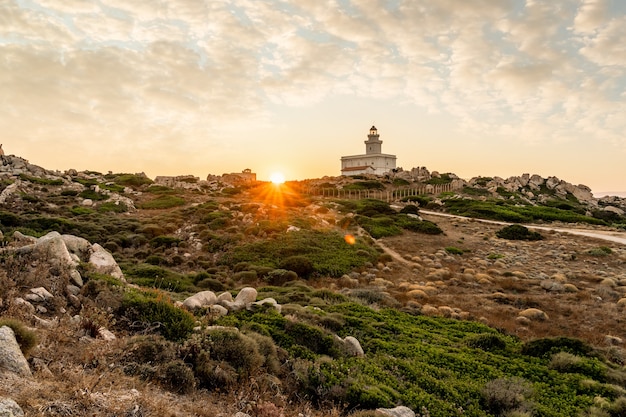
{"type": "Point", "coordinates": [325, 297]}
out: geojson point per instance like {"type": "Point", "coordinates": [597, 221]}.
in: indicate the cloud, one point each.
{"type": "Point", "coordinates": [170, 72]}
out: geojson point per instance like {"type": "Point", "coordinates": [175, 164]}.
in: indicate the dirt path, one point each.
{"type": "Point", "coordinates": [616, 237]}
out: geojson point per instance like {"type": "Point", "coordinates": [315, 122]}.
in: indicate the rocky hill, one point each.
{"type": "Point", "coordinates": [124, 296]}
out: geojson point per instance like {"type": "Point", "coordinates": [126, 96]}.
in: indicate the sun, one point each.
{"type": "Point", "coordinates": [277, 178]}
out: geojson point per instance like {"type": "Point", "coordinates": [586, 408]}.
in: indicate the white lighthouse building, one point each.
{"type": "Point", "coordinates": [372, 162]}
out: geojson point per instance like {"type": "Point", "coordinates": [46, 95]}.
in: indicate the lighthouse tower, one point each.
{"type": "Point", "coordinates": [373, 144]}
{"type": "Point", "coordinates": [372, 162]}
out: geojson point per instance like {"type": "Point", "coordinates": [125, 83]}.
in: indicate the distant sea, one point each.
{"type": "Point", "coordinates": [614, 193]}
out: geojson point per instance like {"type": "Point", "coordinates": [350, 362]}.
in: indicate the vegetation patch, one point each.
{"type": "Point", "coordinates": [153, 311]}
{"type": "Point", "coordinates": [518, 232]}
{"type": "Point", "coordinates": [41, 181]}
{"type": "Point", "coordinates": [163, 202]}
{"type": "Point", "coordinates": [327, 251]}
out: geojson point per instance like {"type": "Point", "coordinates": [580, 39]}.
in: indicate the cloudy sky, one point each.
{"type": "Point", "coordinates": [171, 87]}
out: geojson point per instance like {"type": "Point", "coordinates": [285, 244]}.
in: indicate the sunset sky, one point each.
{"type": "Point", "coordinates": [173, 87]}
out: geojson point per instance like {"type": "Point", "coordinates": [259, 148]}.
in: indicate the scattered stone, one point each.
{"type": "Point", "coordinates": [353, 346]}
{"type": "Point", "coordinates": [11, 357]}
{"type": "Point", "coordinates": [200, 299]}
{"type": "Point", "coordinates": [217, 310]}
{"type": "Point", "coordinates": [570, 288]}
{"type": "Point", "coordinates": [225, 296]}
{"type": "Point", "coordinates": [400, 411]}
{"type": "Point", "coordinates": [266, 301]}
{"type": "Point", "coordinates": [106, 334]}
{"type": "Point", "coordinates": [104, 262]}
{"type": "Point", "coordinates": [534, 314]}
{"type": "Point", "coordinates": [9, 408]}
{"type": "Point", "coordinates": [613, 340]}
{"type": "Point", "coordinates": [41, 293]}
{"type": "Point", "coordinates": [246, 296]}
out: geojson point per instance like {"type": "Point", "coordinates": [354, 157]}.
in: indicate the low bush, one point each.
{"type": "Point", "coordinates": [546, 347]}
{"type": "Point", "coordinates": [177, 377]}
{"type": "Point", "coordinates": [504, 395]}
{"type": "Point", "coordinates": [155, 312]}
{"type": "Point", "coordinates": [42, 181]}
{"type": "Point", "coordinates": [209, 351]}
{"type": "Point", "coordinates": [452, 250]}
{"type": "Point", "coordinates": [410, 209]}
{"type": "Point", "coordinates": [130, 180]}
{"type": "Point", "coordinates": [518, 232]}
{"type": "Point", "coordinates": [600, 251]}
{"type": "Point", "coordinates": [164, 241]}
{"type": "Point", "coordinates": [299, 264]}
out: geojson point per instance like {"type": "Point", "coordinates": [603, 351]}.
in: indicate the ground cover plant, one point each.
{"type": "Point", "coordinates": [449, 367]}
{"type": "Point", "coordinates": [510, 212]}
{"type": "Point", "coordinates": [327, 252]}
{"type": "Point", "coordinates": [380, 220]}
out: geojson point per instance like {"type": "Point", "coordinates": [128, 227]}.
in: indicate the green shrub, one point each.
{"type": "Point", "coordinates": [231, 347]}
{"type": "Point", "coordinates": [504, 395]}
{"type": "Point", "coordinates": [211, 284]}
{"type": "Point", "coordinates": [158, 277]}
{"type": "Point", "coordinates": [518, 232]}
{"type": "Point", "coordinates": [69, 193]}
{"type": "Point", "coordinates": [245, 277]}
{"type": "Point", "coordinates": [177, 377]}
{"type": "Point", "coordinates": [545, 347]}
{"type": "Point", "coordinates": [163, 202]}
{"type": "Point", "coordinates": [92, 195]}
{"type": "Point", "coordinates": [156, 312]}
{"type": "Point", "coordinates": [280, 277]}
{"type": "Point", "coordinates": [131, 180]}
{"type": "Point", "coordinates": [454, 250]}
{"type": "Point", "coordinates": [160, 189]}
{"type": "Point", "coordinates": [600, 251]}
{"type": "Point", "coordinates": [568, 363]}
{"type": "Point", "coordinates": [410, 209]}
{"type": "Point", "coordinates": [42, 181]}
{"type": "Point", "coordinates": [299, 264]}
{"type": "Point", "coordinates": [365, 185]}
{"type": "Point", "coordinates": [165, 241]}
{"type": "Point", "coordinates": [398, 182]}
{"type": "Point", "coordinates": [112, 207]}
{"type": "Point", "coordinates": [26, 339]}
{"type": "Point", "coordinates": [371, 207]}
{"type": "Point", "coordinates": [442, 179]}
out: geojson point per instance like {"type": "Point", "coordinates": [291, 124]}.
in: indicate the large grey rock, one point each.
{"type": "Point", "coordinates": [353, 346]}
{"type": "Point", "coordinates": [246, 296]}
{"type": "Point", "coordinates": [400, 411]}
{"type": "Point", "coordinates": [77, 245]}
{"type": "Point", "coordinates": [9, 408]}
{"type": "Point", "coordinates": [22, 238]}
{"type": "Point", "coordinates": [11, 357]}
{"type": "Point", "coordinates": [200, 299]}
{"type": "Point", "coordinates": [52, 247]}
{"type": "Point", "coordinates": [265, 302]}
{"type": "Point", "coordinates": [104, 262]}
